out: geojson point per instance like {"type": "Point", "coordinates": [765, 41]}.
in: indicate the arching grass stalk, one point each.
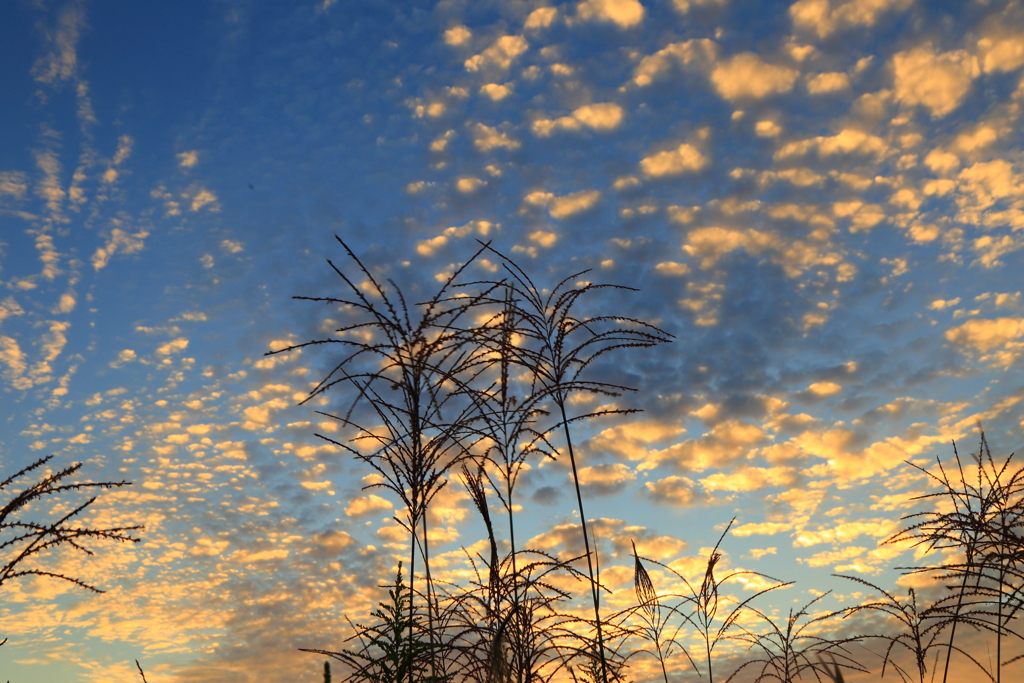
{"type": "Point", "coordinates": [24, 542]}
{"type": "Point", "coordinates": [983, 523]}
{"type": "Point", "coordinates": [407, 368]}
{"type": "Point", "coordinates": [505, 428]}
{"type": "Point", "coordinates": [655, 617]}
{"type": "Point", "coordinates": [707, 600]}
{"type": "Point", "coordinates": [791, 652]}
{"type": "Point", "coordinates": [555, 347]}
{"type": "Point", "coordinates": [538, 633]}
{"type": "Point", "coordinates": [921, 627]}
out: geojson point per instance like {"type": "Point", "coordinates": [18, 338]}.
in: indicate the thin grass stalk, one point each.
{"type": "Point", "coordinates": [647, 599]}
{"type": "Point", "coordinates": [969, 549]}
{"type": "Point", "coordinates": [29, 539]}
{"type": "Point", "coordinates": [557, 360]}
{"type": "Point", "coordinates": [706, 602]}
{"type": "Point", "coordinates": [420, 360]}
{"type": "Point", "coordinates": [786, 658]}
{"type": "Point", "coordinates": [983, 522]}
{"type": "Point", "coordinates": [560, 401]}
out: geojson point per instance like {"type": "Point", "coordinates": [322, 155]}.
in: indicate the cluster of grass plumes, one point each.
{"type": "Point", "coordinates": [477, 382]}
{"type": "Point", "coordinates": [26, 542]}
{"type": "Point", "coordinates": [23, 541]}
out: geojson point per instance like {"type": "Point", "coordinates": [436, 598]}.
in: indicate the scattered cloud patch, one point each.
{"type": "Point", "coordinates": [430, 246]}
{"type": "Point", "coordinates": [499, 55]}
{"type": "Point", "coordinates": [602, 117]}
{"type": "Point", "coordinates": [747, 76]}
{"type": "Point", "coordinates": [174, 346]}
{"type": "Point", "coordinates": [825, 17]}
{"type": "Point", "coordinates": [486, 138]}
{"type": "Point", "coordinates": [542, 17]}
{"type": "Point", "coordinates": [937, 81]}
{"type": "Point", "coordinates": [622, 13]}
{"type": "Point", "coordinates": [188, 159]}
{"type": "Point", "coordinates": [119, 242]}
{"type": "Point", "coordinates": [457, 35]}
{"type": "Point", "coordinates": [683, 159]}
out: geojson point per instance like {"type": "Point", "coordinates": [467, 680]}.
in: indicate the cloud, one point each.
{"type": "Point", "coordinates": [486, 138]}
{"type": "Point", "coordinates": [761, 528]}
{"type": "Point", "coordinates": [51, 345]}
{"type": "Point", "coordinates": [367, 505]}
{"type": "Point", "coordinates": [1002, 53]}
{"type": "Point", "coordinates": [602, 117]}
{"type": "Point", "coordinates": [9, 307]}
{"type": "Point", "coordinates": [986, 182]}
{"type": "Point", "coordinates": [746, 76]}
{"type": "Point", "coordinates": [823, 559]}
{"type": "Point", "coordinates": [847, 141]}
{"type": "Point", "coordinates": [633, 441]}
{"type": "Point", "coordinates": [13, 358]}
{"type": "Point", "coordinates": [494, 91]}
{"type": "Point", "coordinates": [175, 346]}
{"type": "Point", "coordinates": [941, 161]}
{"type": "Point", "coordinates": [332, 543]}
{"type": "Point", "coordinates": [61, 63]}
{"type": "Point", "coordinates": [469, 184]}
{"type": "Point", "coordinates": [248, 557]}
{"type": "Point", "coordinates": [202, 197]}
{"type": "Point", "coordinates": [48, 187]}
{"type": "Point", "coordinates": [985, 335]}
{"type": "Point", "coordinates": [828, 83]}
{"type": "Point", "coordinates": [457, 35]}
{"type": "Point", "coordinates": [698, 53]}
{"type": "Point", "coordinates": [671, 268]}
{"type": "Point", "coordinates": [795, 255]}
{"type": "Point", "coordinates": [683, 6]}
{"type": "Point", "coordinates": [824, 18]}
{"type": "Point", "coordinates": [937, 81]}
{"type": "Point", "coordinates": [742, 479]}
{"type": "Point", "coordinates": [542, 17]}
{"type": "Point", "coordinates": [622, 13]}
{"type": "Point", "coordinates": [566, 206]}
{"type": "Point", "coordinates": [430, 246]}
{"type": "Point", "coordinates": [720, 448]}
{"type": "Point", "coordinates": [991, 249]}
{"type": "Point", "coordinates": [499, 55]}
{"type": "Point", "coordinates": [606, 479]}
{"type": "Point", "coordinates": [543, 238]}
{"type": "Point", "coordinates": [824, 389]}
{"type": "Point", "coordinates": [940, 304]}
{"type": "Point", "coordinates": [845, 532]}
{"type": "Point", "coordinates": [572, 204]}
{"type": "Point", "coordinates": [682, 159]}
{"type": "Point", "coordinates": [13, 184]}
{"type": "Point", "coordinates": [120, 241]}
{"type": "Point", "coordinates": [675, 491]}
{"type": "Point", "coordinates": [67, 303]}
{"type": "Point", "coordinates": [188, 159]}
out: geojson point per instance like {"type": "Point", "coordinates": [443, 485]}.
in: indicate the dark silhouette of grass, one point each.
{"type": "Point", "coordinates": [557, 346]}
{"type": "Point", "coordinates": [477, 380]}
{"type": "Point", "coordinates": [450, 396]}
{"type": "Point", "coordinates": [984, 522]}
{"type": "Point", "coordinates": [24, 541]}
{"type": "Point", "coordinates": [793, 649]}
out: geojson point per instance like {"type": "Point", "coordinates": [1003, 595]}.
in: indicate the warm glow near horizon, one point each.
{"type": "Point", "coordinates": [821, 201]}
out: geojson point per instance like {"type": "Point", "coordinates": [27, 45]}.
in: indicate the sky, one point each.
{"type": "Point", "coordinates": [822, 202]}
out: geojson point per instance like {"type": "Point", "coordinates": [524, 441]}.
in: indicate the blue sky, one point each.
{"type": "Point", "coordinates": [822, 201]}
